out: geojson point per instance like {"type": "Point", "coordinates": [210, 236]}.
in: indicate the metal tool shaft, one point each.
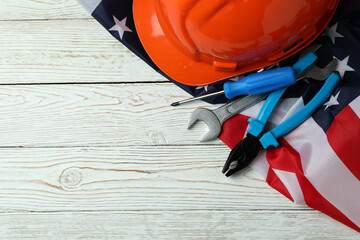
{"type": "Point", "coordinates": [197, 98]}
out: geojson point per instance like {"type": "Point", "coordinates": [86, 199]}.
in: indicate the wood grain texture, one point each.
{"type": "Point", "coordinates": [90, 115]}
{"type": "Point", "coordinates": [232, 225]}
{"type": "Point", "coordinates": [40, 9]}
{"type": "Point", "coordinates": [91, 159]}
{"type": "Point", "coordinates": [66, 51]}
{"type": "Point", "coordinates": [128, 178]}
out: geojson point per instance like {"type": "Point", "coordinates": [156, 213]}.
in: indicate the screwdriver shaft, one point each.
{"type": "Point", "coordinates": [198, 98]}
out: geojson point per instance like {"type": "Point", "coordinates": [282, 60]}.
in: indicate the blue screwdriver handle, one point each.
{"type": "Point", "coordinates": [269, 138]}
{"type": "Point", "coordinates": [262, 82]}
{"type": "Point", "coordinates": [257, 126]}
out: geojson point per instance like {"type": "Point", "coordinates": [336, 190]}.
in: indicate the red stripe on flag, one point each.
{"type": "Point", "coordinates": [233, 130]}
{"type": "Point", "coordinates": [286, 158]}
{"type": "Point", "coordinates": [274, 181]}
{"type": "Point", "coordinates": [344, 137]}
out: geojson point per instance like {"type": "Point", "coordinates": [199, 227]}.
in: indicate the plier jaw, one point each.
{"type": "Point", "coordinates": [242, 155]}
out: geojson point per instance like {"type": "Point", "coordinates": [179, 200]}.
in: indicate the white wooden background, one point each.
{"type": "Point", "coordinates": [90, 148]}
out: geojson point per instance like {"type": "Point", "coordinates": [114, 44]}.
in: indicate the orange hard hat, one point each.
{"type": "Point", "coordinates": [198, 42]}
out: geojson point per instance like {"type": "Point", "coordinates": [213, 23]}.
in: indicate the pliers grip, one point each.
{"type": "Point", "coordinates": [257, 126]}
{"type": "Point", "coordinates": [269, 138]}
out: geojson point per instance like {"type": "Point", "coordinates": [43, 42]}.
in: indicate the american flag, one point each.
{"type": "Point", "coordinates": [318, 163]}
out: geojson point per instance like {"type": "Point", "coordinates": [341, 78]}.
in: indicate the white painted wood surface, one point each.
{"type": "Point", "coordinates": [101, 155]}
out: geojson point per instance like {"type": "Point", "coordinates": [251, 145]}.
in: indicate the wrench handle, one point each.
{"type": "Point", "coordinates": [228, 110]}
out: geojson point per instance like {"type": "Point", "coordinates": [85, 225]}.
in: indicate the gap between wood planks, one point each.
{"type": "Point", "coordinates": [110, 146]}
{"type": "Point", "coordinates": [84, 83]}
{"type": "Point", "coordinates": [194, 211]}
{"type": "Point", "coordinates": [47, 19]}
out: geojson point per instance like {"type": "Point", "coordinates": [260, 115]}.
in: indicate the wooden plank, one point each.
{"type": "Point", "coordinates": [32, 9]}
{"type": "Point", "coordinates": [175, 225]}
{"type": "Point", "coordinates": [128, 178]}
{"type": "Point", "coordinates": [154, 189]}
{"type": "Point", "coordinates": [66, 51]}
{"type": "Point", "coordinates": [84, 115]}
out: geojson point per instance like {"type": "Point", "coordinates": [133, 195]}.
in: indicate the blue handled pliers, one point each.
{"type": "Point", "coordinates": [246, 150]}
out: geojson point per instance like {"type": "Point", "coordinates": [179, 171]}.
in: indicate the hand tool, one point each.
{"type": "Point", "coordinates": [215, 118]}
{"type": "Point", "coordinates": [319, 74]}
{"type": "Point", "coordinates": [250, 145]}
{"type": "Point", "coordinates": [257, 83]}
{"type": "Point", "coordinates": [247, 149]}
{"type": "Point", "coordinates": [261, 82]}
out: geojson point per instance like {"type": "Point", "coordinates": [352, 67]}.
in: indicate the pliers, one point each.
{"type": "Point", "coordinates": [246, 150]}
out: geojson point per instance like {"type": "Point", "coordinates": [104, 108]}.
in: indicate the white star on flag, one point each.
{"type": "Point", "coordinates": [204, 87]}
{"type": "Point", "coordinates": [120, 26]}
{"type": "Point", "coordinates": [332, 33]}
{"type": "Point", "coordinates": [333, 101]}
{"type": "Point", "coordinates": [343, 66]}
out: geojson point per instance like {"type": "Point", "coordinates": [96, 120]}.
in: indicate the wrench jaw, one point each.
{"type": "Point", "coordinates": [319, 74]}
{"type": "Point", "coordinates": [211, 135]}
{"type": "Point", "coordinates": [211, 120]}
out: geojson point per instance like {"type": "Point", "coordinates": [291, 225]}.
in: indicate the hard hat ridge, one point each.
{"type": "Point", "coordinates": [201, 41]}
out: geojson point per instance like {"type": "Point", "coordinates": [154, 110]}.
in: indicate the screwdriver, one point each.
{"type": "Point", "coordinates": [260, 82]}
